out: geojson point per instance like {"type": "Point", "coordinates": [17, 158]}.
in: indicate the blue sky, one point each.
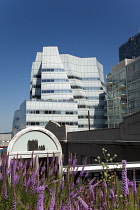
{"type": "Point", "coordinates": [84, 28]}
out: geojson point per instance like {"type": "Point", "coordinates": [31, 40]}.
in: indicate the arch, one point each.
{"type": "Point", "coordinates": [25, 145]}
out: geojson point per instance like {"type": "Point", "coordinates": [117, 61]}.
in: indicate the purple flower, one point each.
{"type": "Point", "coordinates": [43, 168]}
{"type": "Point", "coordinates": [55, 167]}
{"type": "Point", "coordinates": [52, 203]}
{"type": "Point", "coordinates": [112, 196]}
{"type": "Point", "coordinates": [104, 184]}
{"type": "Point", "coordinates": [130, 184]}
{"type": "Point", "coordinates": [20, 164]}
{"type": "Point", "coordinates": [53, 159]}
{"type": "Point", "coordinates": [74, 163]}
{"type": "Point", "coordinates": [17, 178]}
{"type": "Point", "coordinates": [104, 204]}
{"type": "Point", "coordinates": [101, 193]}
{"type": "Point", "coordinates": [5, 190]}
{"type": "Point", "coordinates": [82, 171]}
{"type": "Point", "coordinates": [83, 203]}
{"type": "Point", "coordinates": [70, 159]}
{"type": "Point", "coordinates": [62, 185]}
{"type": "Point", "coordinates": [78, 180]}
{"type": "Point", "coordinates": [124, 179]}
{"type": "Point", "coordinates": [55, 181]}
{"type": "Point", "coordinates": [124, 182]}
{"type": "Point", "coordinates": [40, 197]}
{"type": "Point", "coordinates": [24, 173]}
{"type": "Point", "coordinates": [14, 202]}
{"type": "Point", "coordinates": [86, 175]}
{"type": "Point", "coordinates": [24, 165]}
{"type": "Point", "coordinates": [51, 172]}
{"type": "Point", "coordinates": [32, 181]}
{"type": "Point", "coordinates": [95, 185]}
{"type": "Point", "coordinates": [90, 183]}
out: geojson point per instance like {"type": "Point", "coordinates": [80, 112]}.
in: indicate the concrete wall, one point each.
{"type": "Point", "coordinates": [92, 150]}
{"type": "Point", "coordinates": [130, 128]}
{"type": "Point", "coordinates": [123, 141]}
{"type": "Point", "coordinates": [100, 134]}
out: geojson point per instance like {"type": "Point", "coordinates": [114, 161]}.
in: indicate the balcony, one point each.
{"type": "Point", "coordinates": [121, 94]}
{"type": "Point", "coordinates": [110, 105]}
{"type": "Point", "coordinates": [121, 85]}
{"type": "Point", "coordinates": [109, 98]}
{"type": "Point", "coordinates": [124, 111]}
{"type": "Point", "coordinates": [123, 102]}
{"type": "Point", "coordinates": [108, 84]}
{"type": "Point", "coordinates": [109, 121]}
{"type": "Point", "coordinates": [118, 120]}
{"type": "Point", "coordinates": [109, 114]}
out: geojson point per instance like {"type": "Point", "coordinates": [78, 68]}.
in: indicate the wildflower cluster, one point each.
{"type": "Point", "coordinates": [24, 185]}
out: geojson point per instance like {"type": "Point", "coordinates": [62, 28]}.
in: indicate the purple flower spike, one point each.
{"type": "Point", "coordinates": [82, 171]}
{"type": "Point", "coordinates": [101, 193]}
{"type": "Point", "coordinates": [5, 190]}
{"type": "Point", "coordinates": [70, 159]}
{"type": "Point", "coordinates": [52, 203]}
{"type": "Point", "coordinates": [40, 199]}
{"type": "Point", "coordinates": [78, 180]}
{"type": "Point", "coordinates": [86, 175]}
{"type": "Point", "coordinates": [83, 203]}
{"type": "Point", "coordinates": [43, 168]}
{"type": "Point", "coordinates": [111, 196]}
{"type": "Point", "coordinates": [134, 183]}
{"type": "Point", "coordinates": [124, 181]}
{"type": "Point", "coordinates": [74, 163]}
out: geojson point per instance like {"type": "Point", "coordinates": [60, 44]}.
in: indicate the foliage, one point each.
{"type": "Point", "coordinates": [24, 185]}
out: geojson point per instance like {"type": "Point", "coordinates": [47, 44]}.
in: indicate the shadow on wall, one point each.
{"type": "Point", "coordinates": [99, 114]}
{"type": "Point", "coordinates": [38, 86]}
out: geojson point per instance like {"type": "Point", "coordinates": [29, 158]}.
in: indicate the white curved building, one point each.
{"type": "Point", "coordinates": [66, 89]}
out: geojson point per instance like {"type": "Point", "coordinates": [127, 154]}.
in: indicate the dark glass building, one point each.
{"type": "Point", "coordinates": [131, 48]}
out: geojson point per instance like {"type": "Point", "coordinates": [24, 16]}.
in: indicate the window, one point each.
{"type": "Point", "coordinates": [51, 70]}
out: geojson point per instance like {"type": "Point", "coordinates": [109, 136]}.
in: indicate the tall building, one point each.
{"type": "Point", "coordinates": [123, 91]}
{"type": "Point", "coordinates": [117, 107]}
{"type": "Point", "coordinates": [131, 48]}
{"type": "Point", "coordinates": [66, 89]}
{"type": "Point", "coordinates": [133, 85]}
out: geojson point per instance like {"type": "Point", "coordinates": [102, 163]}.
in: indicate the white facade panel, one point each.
{"type": "Point", "coordinates": [64, 88]}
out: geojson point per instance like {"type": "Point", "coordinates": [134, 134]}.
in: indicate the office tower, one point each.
{"type": "Point", "coordinates": [63, 88]}
{"type": "Point", "coordinates": [131, 48]}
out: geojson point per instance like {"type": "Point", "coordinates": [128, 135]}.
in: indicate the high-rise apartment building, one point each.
{"type": "Point", "coordinates": [131, 48]}
{"type": "Point", "coordinates": [133, 85]}
{"type": "Point", "coordinates": [116, 97]}
{"type": "Point", "coordinates": [123, 91]}
{"type": "Point", "coordinates": [66, 89]}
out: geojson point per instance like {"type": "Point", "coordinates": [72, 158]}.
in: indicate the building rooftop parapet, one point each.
{"type": "Point", "coordinates": [109, 141]}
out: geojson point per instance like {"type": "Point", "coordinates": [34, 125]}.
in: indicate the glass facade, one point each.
{"type": "Point", "coordinates": [131, 48]}
{"type": "Point", "coordinates": [117, 107]}
{"type": "Point", "coordinates": [133, 83]}
{"type": "Point", "coordinates": [123, 91]}
{"type": "Point", "coordinates": [63, 88]}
